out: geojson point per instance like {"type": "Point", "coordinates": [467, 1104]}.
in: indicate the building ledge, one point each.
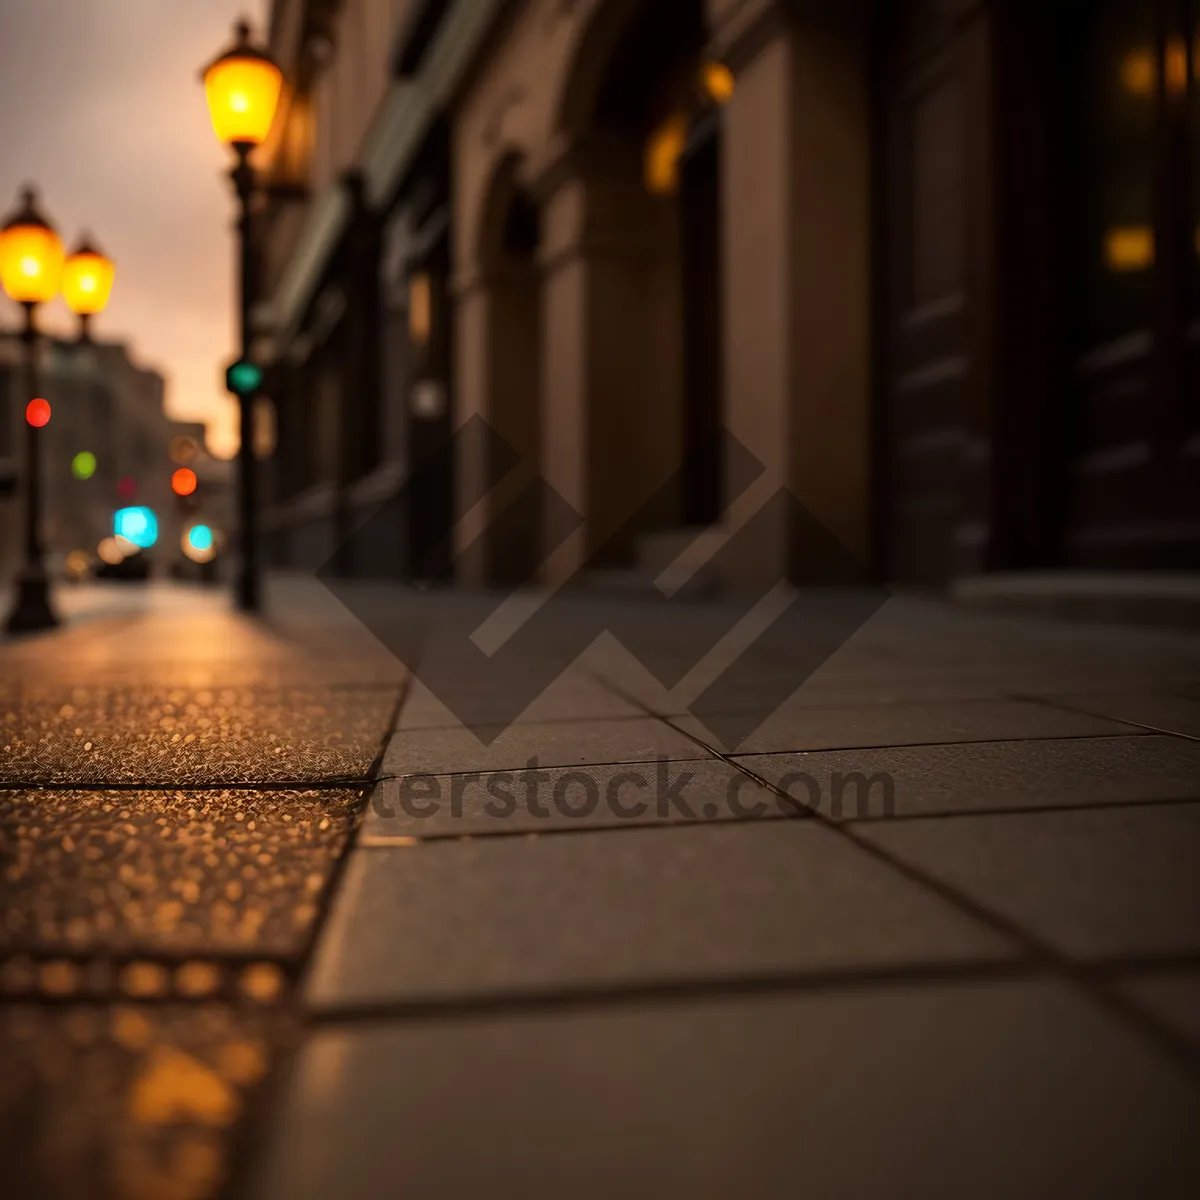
{"type": "Point", "coordinates": [1123, 597]}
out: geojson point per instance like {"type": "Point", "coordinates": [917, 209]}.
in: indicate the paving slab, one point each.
{"type": "Point", "coordinates": [1166, 713]}
{"type": "Point", "coordinates": [161, 735]}
{"type": "Point", "coordinates": [128, 1101]}
{"type": "Point", "coordinates": [978, 776]}
{"type": "Point", "coordinates": [917, 723]}
{"type": "Point", "coordinates": [570, 697]}
{"type": "Point", "coordinates": [551, 743]}
{"type": "Point", "coordinates": [567, 798]}
{"type": "Point", "coordinates": [462, 920]}
{"type": "Point", "coordinates": [989, 1089]}
{"type": "Point", "coordinates": [1093, 883]}
{"type": "Point", "coordinates": [184, 873]}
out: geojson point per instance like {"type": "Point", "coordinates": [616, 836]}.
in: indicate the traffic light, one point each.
{"type": "Point", "coordinates": [183, 481]}
{"type": "Point", "coordinates": [37, 413]}
{"type": "Point", "coordinates": [243, 378]}
{"type": "Point", "coordinates": [137, 524]}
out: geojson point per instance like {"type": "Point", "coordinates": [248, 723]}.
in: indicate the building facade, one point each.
{"type": "Point", "coordinates": [107, 446]}
{"type": "Point", "coordinates": [931, 264]}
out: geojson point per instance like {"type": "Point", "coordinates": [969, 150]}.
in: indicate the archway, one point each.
{"type": "Point", "coordinates": [642, 90]}
{"type": "Point", "coordinates": [507, 256]}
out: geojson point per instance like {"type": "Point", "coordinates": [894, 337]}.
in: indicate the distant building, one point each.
{"type": "Point", "coordinates": [932, 262]}
{"type": "Point", "coordinates": [107, 446]}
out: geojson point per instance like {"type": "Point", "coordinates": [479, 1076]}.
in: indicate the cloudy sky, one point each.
{"type": "Point", "coordinates": [102, 108]}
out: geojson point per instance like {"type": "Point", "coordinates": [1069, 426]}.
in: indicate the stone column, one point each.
{"type": "Point", "coordinates": [498, 379]}
{"type": "Point", "coordinates": [797, 247]}
{"type": "Point", "coordinates": [609, 438]}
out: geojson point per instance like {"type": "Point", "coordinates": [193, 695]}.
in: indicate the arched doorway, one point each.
{"type": "Point", "coordinates": [644, 105]}
{"type": "Point", "coordinates": [510, 237]}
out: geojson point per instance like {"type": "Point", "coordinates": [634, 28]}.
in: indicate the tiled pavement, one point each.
{"type": "Point", "coordinates": [932, 929]}
{"type": "Point", "coordinates": [177, 788]}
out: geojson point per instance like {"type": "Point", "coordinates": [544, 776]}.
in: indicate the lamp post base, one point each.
{"type": "Point", "coordinates": [32, 611]}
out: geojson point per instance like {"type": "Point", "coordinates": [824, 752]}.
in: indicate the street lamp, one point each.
{"type": "Point", "coordinates": [31, 263]}
{"type": "Point", "coordinates": [87, 281]}
{"type": "Point", "coordinates": [242, 88]}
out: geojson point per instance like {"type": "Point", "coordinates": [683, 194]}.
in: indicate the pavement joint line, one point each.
{"type": "Point", "coordinates": [1174, 1046]}
{"type": "Point", "coordinates": [335, 783]}
{"type": "Point", "coordinates": [977, 741]}
{"type": "Point", "coordinates": [573, 766]}
{"type": "Point", "coordinates": [1023, 810]}
{"type": "Point", "coordinates": [387, 841]}
{"type": "Point", "coordinates": [337, 868]}
{"type": "Point", "coordinates": [519, 723]}
{"type": "Point", "coordinates": [641, 992]}
{"type": "Point", "coordinates": [1134, 730]}
{"type": "Point", "coordinates": [1071, 708]}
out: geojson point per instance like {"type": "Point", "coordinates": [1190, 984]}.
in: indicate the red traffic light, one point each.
{"type": "Point", "coordinates": [127, 488]}
{"type": "Point", "coordinates": [183, 481]}
{"type": "Point", "coordinates": [37, 413]}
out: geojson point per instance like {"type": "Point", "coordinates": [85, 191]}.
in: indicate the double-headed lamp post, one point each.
{"type": "Point", "coordinates": [31, 263]}
{"type": "Point", "coordinates": [242, 87]}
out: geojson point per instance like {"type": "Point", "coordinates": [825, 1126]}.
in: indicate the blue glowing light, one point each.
{"type": "Point", "coordinates": [200, 537]}
{"type": "Point", "coordinates": [138, 524]}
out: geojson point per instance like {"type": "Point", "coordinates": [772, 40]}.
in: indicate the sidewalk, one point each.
{"type": "Point", "coordinates": [276, 921]}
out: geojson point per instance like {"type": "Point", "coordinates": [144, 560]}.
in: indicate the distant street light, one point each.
{"type": "Point", "coordinates": [31, 263]}
{"type": "Point", "coordinates": [87, 283]}
{"type": "Point", "coordinates": [242, 88]}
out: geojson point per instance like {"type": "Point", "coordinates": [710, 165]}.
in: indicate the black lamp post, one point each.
{"type": "Point", "coordinates": [31, 262]}
{"type": "Point", "coordinates": [242, 87]}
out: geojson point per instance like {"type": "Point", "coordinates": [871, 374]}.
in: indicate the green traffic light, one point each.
{"type": "Point", "coordinates": [83, 465]}
{"type": "Point", "coordinates": [244, 377]}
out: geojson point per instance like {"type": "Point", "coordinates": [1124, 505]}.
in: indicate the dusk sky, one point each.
{"type": "Point", "coordinates": [104, 111]}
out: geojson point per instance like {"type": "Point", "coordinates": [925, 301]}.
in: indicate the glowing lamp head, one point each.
{"type": "Point", "coordinates": [31, 254]}
{"type": "Point", "coordinates": [87, 279]}
{"type": "Point", "coordinates": [37, 413]}
{"type": "Point", "coordinates": [242, 88]}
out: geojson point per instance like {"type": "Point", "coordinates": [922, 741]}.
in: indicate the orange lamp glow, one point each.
{"type": "Point", "coordinates": [37, 413]}
{"type": "Point", "coordinates": [242, 87]}
{"type": "Point", "coordinates": [87, 279]}
{"type": "Point", "coordinates": [1129, 248]}
{"type": "Point", "coordinates": [420, 309]}
{"type": "Point", "coordinates": [1175, 66]}
{"type": "Point", "coordinates": [717, 79]}
{"type": "Point", "coordinates": [663, 152]}
{"type": "Point", "coordinates": [183, 482]}
{"type": "Point", "coordinates": [31, 254]}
